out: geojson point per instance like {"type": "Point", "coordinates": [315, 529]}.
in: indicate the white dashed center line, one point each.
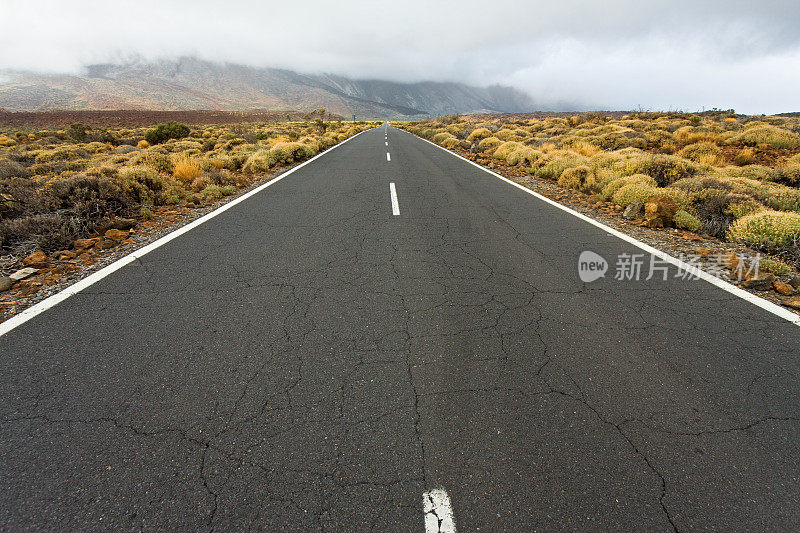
{"type": "Point", "coordinates": [438, 512]}
{"type": "Point", "coordinates": [395, 203]}
{"type": "Point", "coordinates": [388, 157]}
{"type": "Point", "coordinates": [386, 143]}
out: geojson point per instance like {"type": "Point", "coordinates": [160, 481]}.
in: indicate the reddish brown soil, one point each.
{"type": "Point", "coordinates": [133, 118]}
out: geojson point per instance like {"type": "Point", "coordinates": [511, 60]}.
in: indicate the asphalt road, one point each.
{"type": "Point", "coordinates": [309, 360]}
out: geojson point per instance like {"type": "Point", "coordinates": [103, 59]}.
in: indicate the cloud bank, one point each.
{"type": "Point", "coordinates": [612, 54]}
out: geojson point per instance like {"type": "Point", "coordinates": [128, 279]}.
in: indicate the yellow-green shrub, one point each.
{"type": "Point", "coordinates": [258, 162]}
{"type": "Point", "coordinates": [479, 133]}
{"type": "Point", "coordinates": [743, 208]}
{"type": "Point", "coordinates": [450, 143]}
{"type": "Point", "coordinates": [783, 198]}
{"type": "Point", "coordinates": [637, 179]}
{"type": "Point", "coordinates": [579, 178]}
{"type": "Point", "coordinates": [552, 164]}
{"type": "Point", "coordinates": [638, 192]}
{"type": "Point", "coordinates": [489, 144]}
{"type": "Point", "coordinates": [156, 160]}
{"type": "Point", "coordinates": [703, 152]}
{"type": "Point", "coordinates": [61, 154]}
{"type": "Point", "coordinates": [685, 220]}
{"type": "Point", "coordinates": [771, 228]}
{"type": "Point", "coordinates": [439, 137]}
{"type": "Point", "coordinates": [760, 133]}
{"type": "Point", "coordinates": [779, 268]}
{"type": "Point", "coordinates": [753, 172]}
{"type": "Point", "coordinates": [515, 153]}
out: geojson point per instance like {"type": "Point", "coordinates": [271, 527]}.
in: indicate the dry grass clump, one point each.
{"type": "Point", "coordinates": [186, 169]}
{"type": "Point", "coordinates": [746, 156]}
{"type": "Point", "coordinates": [451, 142]}
{"type": "Point", "coordinates": [154, 159]}
{"type": "Point", "coordinates": [584, 148]}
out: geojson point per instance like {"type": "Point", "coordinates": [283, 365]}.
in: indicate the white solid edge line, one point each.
{"type": "Point", "coordinates": [395, 203]}
{"type": "Point", "coordinates": [438, 512]}
{"type": "Point", "coordinates": [724, 285]}
{"type": "Point", "coordinates": [388, 157]}
{"type": "Point", "coordinates": [93, 278]}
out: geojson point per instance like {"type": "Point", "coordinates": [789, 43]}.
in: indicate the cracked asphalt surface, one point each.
{"type": "Point", "coordinates": [307, 361]}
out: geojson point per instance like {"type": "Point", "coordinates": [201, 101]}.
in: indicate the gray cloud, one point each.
{"type": "Point", "coordinates": [606, 53]}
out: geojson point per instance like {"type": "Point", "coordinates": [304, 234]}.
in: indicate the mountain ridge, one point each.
{"type": "Point", "coordinates": [191, 83]}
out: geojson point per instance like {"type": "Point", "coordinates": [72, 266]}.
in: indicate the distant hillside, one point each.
{"type": "Point", "coordinates": [188, 83]}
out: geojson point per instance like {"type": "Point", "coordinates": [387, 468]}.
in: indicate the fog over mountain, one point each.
{"type": "Point", "coordinates": [189, 83]}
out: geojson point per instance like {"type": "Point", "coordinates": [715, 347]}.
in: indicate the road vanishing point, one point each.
{"type": "Point", "coordinates": [390, 338]}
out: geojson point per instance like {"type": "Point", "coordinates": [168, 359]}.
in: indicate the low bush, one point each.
{"type": "Point", "coordinates": [478, 134]}
{"type": "Point", "coordinates": [166, 131]}
{"type": "Point", "coordinates": [665, 169]}
{"type": "Point", "coordinates": [789, 175]}
{"type": "Point", "coordinates": [12, 169]}
{"type": "Point", "coordinates": [580, 178]}
{"type": "Point", "coordinates": [773, 229]}
{"type": "Point", "coordinates": [158, 161]}
{"type": "Point", "coordinates": [53, 190]}
{"type": "Point", "coordinates": [685, 220]}
{"type": "Point", "coordinates": [779, 268]}
{"type": "Point", "coordinates": [767, 134]}
{"type": "Point", "coordinates": [613, 186]}
{"type": "Point", "coordinates": [746, 156]}
{"type": "Point", "coordinates": [439, 137]}
{"type": "Point", "coordinates": [515, 153]}
{"type": "Point", "coordinates": [212, 193]}
{"type": "Point", "coordinates": [451, 142]}
{"type": "Point", "coordinates": [703, 152]}
{"type": "Point", "coordinates": [489, 144]}
{"type": "Point", "coordinates": [638, 192]}
{"type": "Point", "coordinates": [552, 164]}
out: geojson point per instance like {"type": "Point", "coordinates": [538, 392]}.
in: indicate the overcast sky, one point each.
{"type": "Point", "coordinates": [612, 54]}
